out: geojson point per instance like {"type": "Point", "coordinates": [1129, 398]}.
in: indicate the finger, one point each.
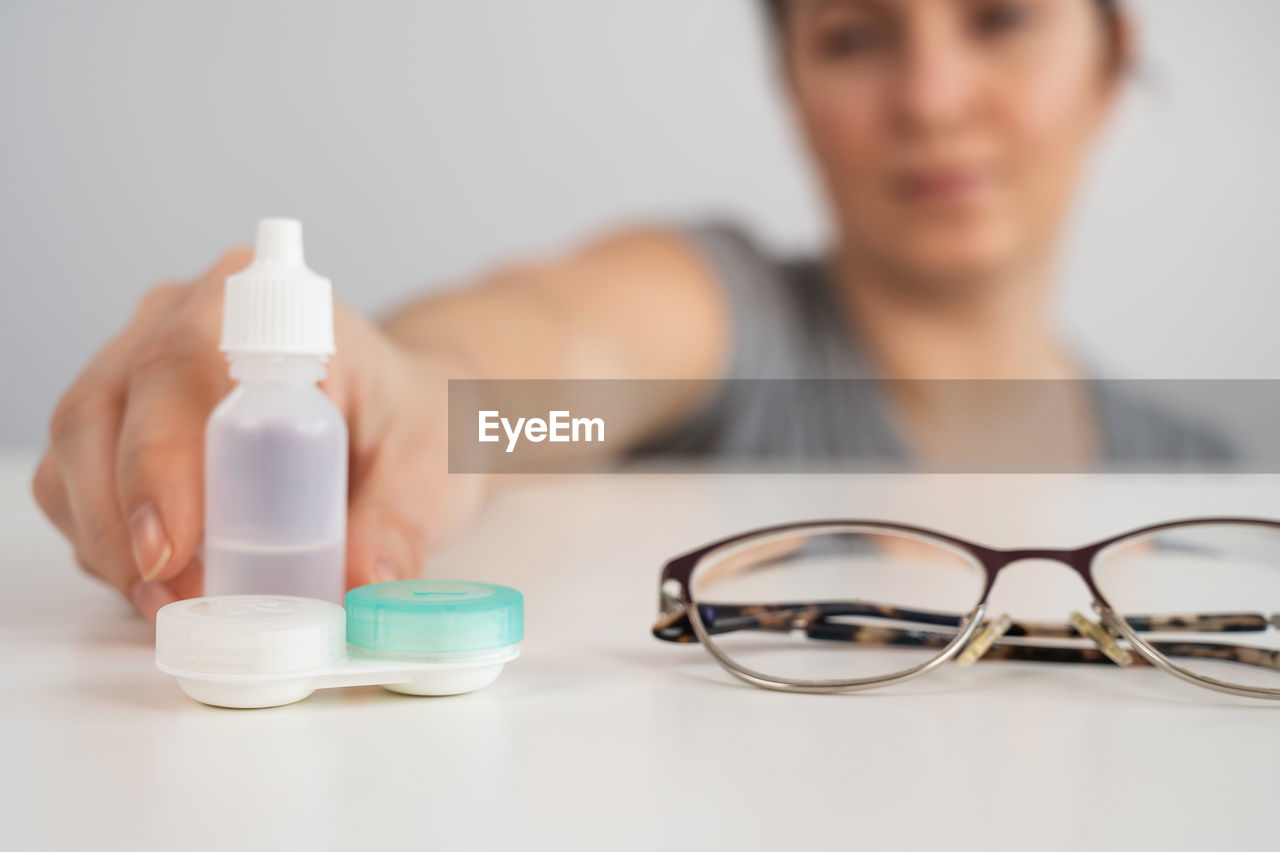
{"type": "Point", "coordinates": [386, 541]}
{"type": "Point", "coordinates": [401, 507]}
{"type": "Point", "coordinates": [393, 498]}
{"type": "Point", "coordinates": [149, 598]}
{"type": "Point", "coordinates": [84, 445]}
{"type": "Point", "coordinates": [210, 283]}
{"type": "Point", "coordinates": [173, 386]}
{"type": "Point", "coordinates": [155, 306]}
{"type": "Point", "coordinates": [189, 583]}
{"type": "Point", "coordinates": [403, 500]}
{"type": "Point", "coordinates": [160, 462]}
{"type": "Point", "coordinates": [76, 484]}
{"type": "Point", "coordinates": [50, 492]}
{"type": "Point", "coordinates": [82, 432]}
{"type": "Point", "coordinates": [198, 301]}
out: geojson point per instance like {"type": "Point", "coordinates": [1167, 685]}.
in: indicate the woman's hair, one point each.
{"type": "Point", "coordinates": [1108, 10]}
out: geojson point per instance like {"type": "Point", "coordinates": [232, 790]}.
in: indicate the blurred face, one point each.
{"type": "Point", "coordinates": [950, 133]}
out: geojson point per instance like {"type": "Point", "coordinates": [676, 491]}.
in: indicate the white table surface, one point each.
{"type": "Point", "coordinates": [602, 737]}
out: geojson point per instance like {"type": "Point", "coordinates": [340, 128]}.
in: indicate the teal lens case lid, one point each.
{"type": "Point", "coordinates": [434, 616]}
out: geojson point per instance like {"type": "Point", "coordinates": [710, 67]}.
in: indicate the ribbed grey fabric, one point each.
{"type": "Point", "coordinates": [786, 328]}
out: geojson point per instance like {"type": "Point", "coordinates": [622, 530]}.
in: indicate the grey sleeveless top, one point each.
{"type": "Point", "coordinates": [786, 329]}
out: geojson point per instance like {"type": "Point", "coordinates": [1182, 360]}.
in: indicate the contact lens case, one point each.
{"type": "Point", "coordinates": [418, 637]}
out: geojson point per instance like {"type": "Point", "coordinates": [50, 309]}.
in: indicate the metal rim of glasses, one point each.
{"type": "Point", "coordinates": [1160, 661]}
{"type": "Point", "coordinates": [970, 622]}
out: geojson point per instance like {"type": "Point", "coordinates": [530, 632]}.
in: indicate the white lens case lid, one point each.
{"type": "Point", "coordinates": [250, 634]}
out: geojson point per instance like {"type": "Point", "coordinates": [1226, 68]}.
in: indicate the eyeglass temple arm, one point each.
{"type": "Point", "coordinates": [812, 617]}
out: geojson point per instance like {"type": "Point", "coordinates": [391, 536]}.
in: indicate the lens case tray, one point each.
{"type": "Point", "coordinates": [417, 637]}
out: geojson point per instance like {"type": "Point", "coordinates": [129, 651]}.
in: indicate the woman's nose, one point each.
{"type": "Point", "coordinates": [936, 81]}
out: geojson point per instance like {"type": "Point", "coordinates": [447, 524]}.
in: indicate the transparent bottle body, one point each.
{"type": "Point", "coordinates": [276, 483]}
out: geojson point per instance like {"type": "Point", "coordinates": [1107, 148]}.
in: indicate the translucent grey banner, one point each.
{"type": "Point", "coordinates": [867, 425]}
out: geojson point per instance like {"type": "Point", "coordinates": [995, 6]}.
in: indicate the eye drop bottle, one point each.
{"type": "Point", "coordinates": [276, 447]}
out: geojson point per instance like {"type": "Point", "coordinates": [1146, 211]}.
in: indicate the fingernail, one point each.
{"type": "Point", "coordinates": [148, 598]}
{"type": "Point", "coordinates": [151, 548]}
{"type": "Point", "coordinates": [383, 571]}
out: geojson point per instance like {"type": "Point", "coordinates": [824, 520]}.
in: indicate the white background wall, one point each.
{"type": "Point", "coordinates": [421, 142]}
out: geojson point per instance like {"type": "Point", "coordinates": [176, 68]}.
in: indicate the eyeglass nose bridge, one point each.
{"type": "Point", "coordinates": [1079, 560]}
{"type": "Point", "coordinates": [1103, 633]}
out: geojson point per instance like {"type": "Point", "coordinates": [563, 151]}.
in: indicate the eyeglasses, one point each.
{"type": "Point", "coordinates": [830, 606]}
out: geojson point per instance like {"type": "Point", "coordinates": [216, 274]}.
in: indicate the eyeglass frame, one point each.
{"type": "Point", "coordinates": [679, 613]}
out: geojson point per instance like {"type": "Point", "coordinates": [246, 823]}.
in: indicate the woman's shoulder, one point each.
{"type": "Point", "coordinates": [773, 309]}
{"type": "Point", "coordinates": [736, 255]}
{"type": "Point", "coordinates": [717, 250]}
{"type": "Point", "coordinates": [781, 309]}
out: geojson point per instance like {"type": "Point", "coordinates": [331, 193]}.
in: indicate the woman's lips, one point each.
{"type": "Point", "coordinates": [942, 185]}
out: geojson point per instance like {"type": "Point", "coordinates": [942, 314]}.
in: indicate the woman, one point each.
{"type": "Point", "coordinates": [949, 136]}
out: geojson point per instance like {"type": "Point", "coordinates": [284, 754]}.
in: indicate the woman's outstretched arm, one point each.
{"type": "Point", "coordinates": [122, 477]}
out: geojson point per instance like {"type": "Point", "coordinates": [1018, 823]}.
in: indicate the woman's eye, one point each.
{"type": "Point", "coordinates": [850, 40]}
{"type": "Point", "coordinates": [997, 19]}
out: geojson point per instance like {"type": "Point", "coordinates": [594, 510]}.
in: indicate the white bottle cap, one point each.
{"type": "Point", "coordinates": [277, 305]}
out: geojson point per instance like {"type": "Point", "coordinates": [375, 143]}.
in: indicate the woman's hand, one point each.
{"type": "Point", "coordinates": [123, 477]}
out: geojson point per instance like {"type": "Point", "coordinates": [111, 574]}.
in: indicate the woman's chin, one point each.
{"type": "Point", "coordinates": [955, 258]}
